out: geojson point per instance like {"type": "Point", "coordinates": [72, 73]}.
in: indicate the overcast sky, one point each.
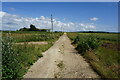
{"type": "Point", "coordinates": [68, 16]}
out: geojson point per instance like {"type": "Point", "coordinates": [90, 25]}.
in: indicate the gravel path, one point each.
{"type": "Point", "coordinates": [61, 61]}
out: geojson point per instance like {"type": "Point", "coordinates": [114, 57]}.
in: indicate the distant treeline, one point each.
{"type": "Point", "coordinates": [96, 32]}
{"type": "Point", "coordinates": [33, 28]}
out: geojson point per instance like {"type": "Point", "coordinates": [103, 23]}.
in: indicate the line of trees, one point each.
{"type": "Point", "coordinates": [33, 28]}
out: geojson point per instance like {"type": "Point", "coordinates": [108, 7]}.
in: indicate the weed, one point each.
{"type": "Point", "coordinates": [60, 65]}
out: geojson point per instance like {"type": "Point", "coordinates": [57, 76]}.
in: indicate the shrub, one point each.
{"type": "Point", "coordinates": [93, 42]}
{"type": "Point", "coordinates": [82, 47]}
{"type": "Point", "coordinates": [88, 43]}
{"type": "Point", "coordinates": [10, 65]}
{"type": "Point", "coordinates": [76, 40]}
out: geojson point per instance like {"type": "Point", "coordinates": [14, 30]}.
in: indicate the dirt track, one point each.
{"type": "Point", "coordinates": [61, 61]}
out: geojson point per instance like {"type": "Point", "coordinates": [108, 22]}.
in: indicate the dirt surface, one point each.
{"type": "Point", "coordinates": [61, 61]}
{"type": "Point", "coordinates": [43, 42]}
{"type": "Point", "coordinates": [112, 46]}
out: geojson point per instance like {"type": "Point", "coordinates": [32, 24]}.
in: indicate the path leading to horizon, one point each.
{"type": "Point", "coordinates": [61, 61]}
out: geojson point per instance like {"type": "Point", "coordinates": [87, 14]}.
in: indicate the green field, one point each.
{"type": "Point", "coordinates": [101, 50]}
{"type": "Point", "coordinates": [16, 59]}
{"type": "Point", "coordinates": [26, 36]}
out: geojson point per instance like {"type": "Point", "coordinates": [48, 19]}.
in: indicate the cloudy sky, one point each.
{"type": "Point", "coordinates": [67, 16]}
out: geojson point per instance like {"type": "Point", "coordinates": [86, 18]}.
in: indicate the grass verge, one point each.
{"type": "Point", "coordinates": [105, 58]}
{"type": "Point", "coordinates": [104, 62]}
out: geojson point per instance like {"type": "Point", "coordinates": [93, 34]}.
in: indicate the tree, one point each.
{"type": "Point", "coordinates": [33, 28]}
{"type": "Point", "coordinates": [24, 29]}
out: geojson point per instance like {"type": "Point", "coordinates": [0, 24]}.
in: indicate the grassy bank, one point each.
{"type": "Point", "coordinates": [16, 59]}
{"type": "Point", "coordinates": [100, 50]}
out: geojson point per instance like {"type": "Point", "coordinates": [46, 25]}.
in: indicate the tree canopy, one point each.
{"type": "Point", "coordinates": [33, 28]}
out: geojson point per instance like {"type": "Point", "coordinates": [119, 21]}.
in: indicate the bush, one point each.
{"type": "Point", "coordinates": [93, 42]}
{"type": "Point", "coordinates": [86, 44]}
{"type": "Point", "coordinates": [10, 65]}
{"type": "Point", "coordinates": [76, 40]}
{"type": "Point", "coordinates": [82, 47]}
{"type": "Point", "coordinates": [17, 58]}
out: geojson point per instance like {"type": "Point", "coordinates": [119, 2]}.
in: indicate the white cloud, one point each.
{"type": "Point", "coordinates": [2, 13]}
{"type": "Point", "coordinates": [87, 26]}
{"type": "Point", "coordinates": [13, 22]}
{"type": "Point", "coordinates": [82, 25]}
{"type": "Point", "coordinates": [94, 19]}
{"type": "Point", "coordinates": [42, 17]}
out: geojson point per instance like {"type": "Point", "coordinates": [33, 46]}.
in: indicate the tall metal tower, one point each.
{"type": "Point", "coordinates": [52, 22]}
